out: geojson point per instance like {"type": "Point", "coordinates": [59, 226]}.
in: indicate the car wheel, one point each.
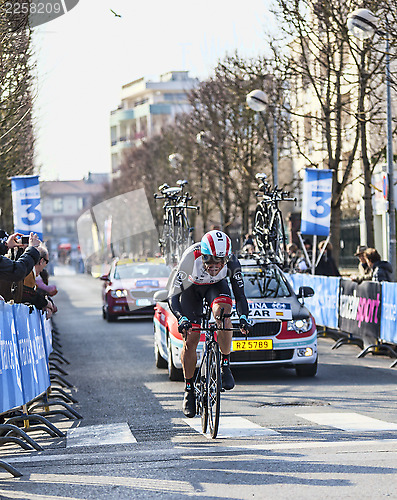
{"type": "Point", "coordinates": [175, 374]}
{"type": "Point", "coordinates": [159, 360]}
{"type": "Point", "coordinates": [306, 370]}
{"type": "Point", "coordinates": [110, 318]}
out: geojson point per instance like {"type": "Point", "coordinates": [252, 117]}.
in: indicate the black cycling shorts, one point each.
{"type": "Point", "coordinates": [191, 298]}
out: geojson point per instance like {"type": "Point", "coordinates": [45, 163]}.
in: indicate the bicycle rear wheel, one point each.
{"type": "Point", "coordinates": [200, 388]}
{"type": "Point", "coordinates": [277, 240]}
{"type": "Point", "coordinates": [213, 389]}
{"type": "Point", "coordinates": [259, 229]}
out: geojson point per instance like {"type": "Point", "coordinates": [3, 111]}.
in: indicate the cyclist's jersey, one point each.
{"type": "Point", "coordinates": [191, 272]}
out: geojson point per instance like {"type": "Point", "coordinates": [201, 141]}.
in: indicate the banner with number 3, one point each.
{"type": "Point", "coordinates": [26, 205]}
{"type": "Point", "coordinates": [316, 204]}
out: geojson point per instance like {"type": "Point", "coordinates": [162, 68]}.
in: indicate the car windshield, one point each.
{"type": "Point", "coordinates": [266, 282]}
{"type": "Point", "coordinates": [126, 271]}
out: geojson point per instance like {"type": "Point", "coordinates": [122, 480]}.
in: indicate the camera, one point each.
{"type": "Point", "coordinates": [25, 240]}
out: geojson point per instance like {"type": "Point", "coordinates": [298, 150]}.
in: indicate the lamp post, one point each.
{"type": "Point", "coordinates": [257, 101]}
{"type": "Point", "coordinates": [362, 23]}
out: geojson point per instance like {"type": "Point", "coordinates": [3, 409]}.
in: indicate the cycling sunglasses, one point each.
{"type": "Point", "coordinates": [211, 259]}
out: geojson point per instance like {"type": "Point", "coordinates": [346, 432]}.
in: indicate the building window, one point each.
{"type": "Point", "coordinates": [80, 203]}
{"type": "Point", "coordinates": [48, 227]}
{"type": "Point", "coordinates": [57, 205]}
{"type": "Point", "coordinates": [70, 226]}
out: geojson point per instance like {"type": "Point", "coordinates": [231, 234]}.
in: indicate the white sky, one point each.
{"type": "Point", "coordinates": [85, 56]}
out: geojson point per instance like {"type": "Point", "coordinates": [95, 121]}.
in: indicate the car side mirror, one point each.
{"type": "Point", "coordinates": [161, 296]}
{"type": "Point", "coordinates": [305, 291]}
{"type": "Point", "coordinates": [104, 277]}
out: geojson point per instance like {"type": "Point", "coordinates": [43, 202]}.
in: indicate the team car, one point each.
{"type": "Point", "coordinates": [284, 332]}
{"type": "Point", "coordinates": [129, 287]}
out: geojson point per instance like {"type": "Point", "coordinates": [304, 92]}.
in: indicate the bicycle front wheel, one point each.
{"type": "Point", "coordinates": [213, 389]}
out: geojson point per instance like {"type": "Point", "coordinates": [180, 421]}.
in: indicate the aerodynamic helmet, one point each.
{"type": "Point", "coordinates": [217, 245]}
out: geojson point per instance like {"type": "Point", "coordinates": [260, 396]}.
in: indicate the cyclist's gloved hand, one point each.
{"type": "Point", "coordinates": [184, 325]}
{"type": "Point", "coordinates": [245, 324]}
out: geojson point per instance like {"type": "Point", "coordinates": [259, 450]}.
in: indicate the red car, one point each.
{"type": "Point", "coordinates": [129, 286]}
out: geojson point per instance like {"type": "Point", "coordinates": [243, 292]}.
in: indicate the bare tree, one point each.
{"type": "Point", "coordinates": [16, 133]}
{"type": "Point", "coordinates": [322, 64]}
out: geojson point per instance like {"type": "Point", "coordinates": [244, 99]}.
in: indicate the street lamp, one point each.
{"type": "Point", "coordinates": [362, 23]}
{"type": "Point", "coordinates": [257, 101]}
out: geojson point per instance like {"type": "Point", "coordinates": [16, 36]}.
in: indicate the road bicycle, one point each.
{"type": "Point", "coordinates": [208, 382]}
{"type": "Point", "coordinates": [177, 234]}
{"type": "Point", "coordinates": [268, 227]}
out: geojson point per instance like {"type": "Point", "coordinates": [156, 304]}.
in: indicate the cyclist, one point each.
{"type": "Point", "coordinates": [201, 273]}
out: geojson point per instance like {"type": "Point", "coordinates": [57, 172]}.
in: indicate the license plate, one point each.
{"type": "Point", "coordinates": [143, 302]}
{"type": "Point", "coordinates": [252, 345]}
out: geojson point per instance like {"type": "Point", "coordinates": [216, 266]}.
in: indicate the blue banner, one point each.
{"type": "Point", "coordinates": [29, 348]}
{"type": "Point", "coordinates": [324, 304]}
{"type": "Point", "coordinates": [388, 324]}
{"type": "Point", "coordinates": [38, 342]}
{"type": "Point", "coordinates": [26, 205]}
{"type": "Point", "coordinates": [11, 390]}
{"type": "Point", "coordinates": [316, 202]}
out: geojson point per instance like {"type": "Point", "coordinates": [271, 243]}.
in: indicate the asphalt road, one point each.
{"type": "Point", "coordinates": [332, 436]}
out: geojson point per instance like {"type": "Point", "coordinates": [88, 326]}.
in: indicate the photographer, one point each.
{"type": "Point", "coordinates": [16, 270]}
{"type": "Point", "coordinates": [31, 293]}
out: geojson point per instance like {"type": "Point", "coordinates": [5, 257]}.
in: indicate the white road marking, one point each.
{"type": "Point", "coordinates": [230, 427]}
{"type": "Point", "coordinates": [352, 422]}
{"type": "Point", "coordinates": [97, 435]}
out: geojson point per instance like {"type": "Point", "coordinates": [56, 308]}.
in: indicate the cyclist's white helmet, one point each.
{"type": "Point", "coordinates": [216, 244]}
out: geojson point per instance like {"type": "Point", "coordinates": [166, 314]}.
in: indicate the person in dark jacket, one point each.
{"type": "Point", "coordinates": [16, 270]}
{"type": "Point", "coordinates": [364, 271]}
{"type": "Point", "coordinates": [326, 265]}
{"type": "Point", "coordinates": [381, 269]}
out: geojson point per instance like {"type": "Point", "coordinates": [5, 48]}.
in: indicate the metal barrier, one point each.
{"type": "Point", "coordinates": [361, 314]}
{"type": "Point", "coordinates": [29, 357]}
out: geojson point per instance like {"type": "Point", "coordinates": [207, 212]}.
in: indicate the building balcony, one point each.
{"type": "Point", "coordinates": [121, 115]}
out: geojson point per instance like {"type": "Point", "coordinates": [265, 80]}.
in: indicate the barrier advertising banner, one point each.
{"type": "Point", "coordinates": [388, 327]}
{"type": "Point", "coordinates": [26, 205]}
{"type": "Point", "coordinates": [11, 391]}
{"type": "Point", "coordinates": [323, 304]}
{"type": "Point", "coordinates": [359, 309]}
{"type": "Point", "coordinates": [316, 202]}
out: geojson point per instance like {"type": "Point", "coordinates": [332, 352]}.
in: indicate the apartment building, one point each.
{"type": "Point", "coordinates": [147, 106]}
{"type": "Point", "coordinates": [62, 203]}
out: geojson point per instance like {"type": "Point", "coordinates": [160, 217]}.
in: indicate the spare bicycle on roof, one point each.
{"type": "Point", "coordinates": [176, 232]}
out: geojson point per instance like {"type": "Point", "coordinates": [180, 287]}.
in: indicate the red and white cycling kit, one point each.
{"type": "Point", "coordinates": [190, 283]}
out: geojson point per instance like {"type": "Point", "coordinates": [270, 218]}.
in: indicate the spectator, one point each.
{"type": "Point", "coordinates": [16, 270]}
{"type": "Point", "coordinates": [381, 269]}
{"type": "Point", "coordinates": [326, 265]}
{"type": "Point", "coordinates": [31, 294]}
{"type": "Point", "coordinates": [364, 271]}
{"type": "Point", "coordinates": [304, 266]}
{"type": "Point", "coordinates": [248, 245]}
{"type": "Point", "coordinates": [43, 286]}
{"type": "Point", "coordinates": [293, 257]}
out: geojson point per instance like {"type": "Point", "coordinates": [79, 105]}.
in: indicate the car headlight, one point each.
{"type": "Point", "coordinates": [300, 325]}
{"type": "Point", "coordinates": [118, 294]}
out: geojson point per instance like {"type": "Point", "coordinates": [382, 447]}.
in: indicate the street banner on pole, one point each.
{"type": "Point", "coordinates": [316, 204]}
{"type": "Point", "coordinates": [26, 205]}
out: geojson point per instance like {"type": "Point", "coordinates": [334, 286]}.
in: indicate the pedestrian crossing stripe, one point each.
{"type": "Point", "coordinates": [99, 435]}
{"type": "Point", "coordinates": [233, 427]}
{"type": "Point", "coordinates": [351, 422]}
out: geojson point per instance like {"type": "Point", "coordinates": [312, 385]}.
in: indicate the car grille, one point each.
{"type": "Point", "coordinates": [272, 355]}
{"type": "Point", "coordinates": [142, 294]}
{"type": "Point", "coordinates": [264, 329]}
